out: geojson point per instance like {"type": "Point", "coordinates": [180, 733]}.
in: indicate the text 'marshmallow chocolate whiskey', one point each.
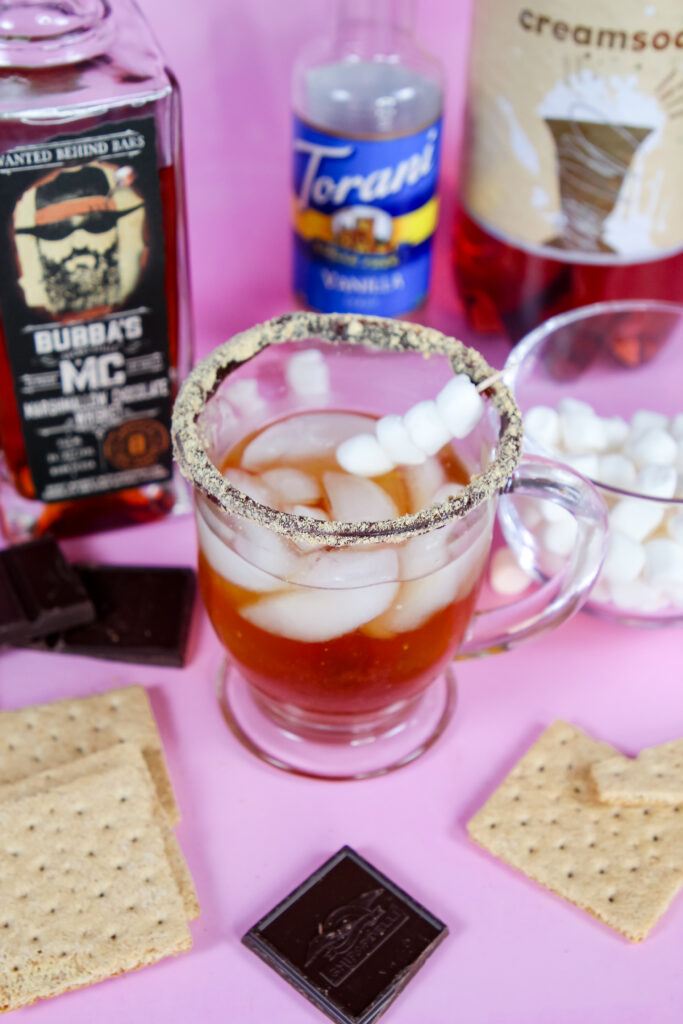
{"type": "Point", "coordinates": [94, 300]}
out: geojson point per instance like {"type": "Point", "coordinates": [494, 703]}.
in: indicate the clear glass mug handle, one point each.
{"type": "Point", "coordinates": [498, 629]}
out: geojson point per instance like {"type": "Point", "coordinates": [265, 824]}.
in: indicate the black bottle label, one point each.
{"type": "Point", "coordinates": [84, 309]}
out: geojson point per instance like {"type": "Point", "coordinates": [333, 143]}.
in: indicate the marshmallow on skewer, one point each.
{"type": "Point", "coordinates": [426, 427]}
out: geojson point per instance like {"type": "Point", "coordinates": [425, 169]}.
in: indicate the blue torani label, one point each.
{"type": "Point", "coordinates": [365, 212]}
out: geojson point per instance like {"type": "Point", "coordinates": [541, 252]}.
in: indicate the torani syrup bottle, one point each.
{"type": "Point", "coordinates": [367, 134]}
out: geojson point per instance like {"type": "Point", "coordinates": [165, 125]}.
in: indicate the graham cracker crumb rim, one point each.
{"type": "Point", "coordinates": [371, 332]}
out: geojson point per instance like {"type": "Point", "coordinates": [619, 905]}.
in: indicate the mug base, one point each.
{"type": "Point", "coordinates": [320, 752]}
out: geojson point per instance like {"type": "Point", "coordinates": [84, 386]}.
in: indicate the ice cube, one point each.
{"type": "Point", "coordinates": [244, 395]}
{"type": "Point", "coordinates": [265, 549]}
{"type": "Point", "coordinates": [305, 436]}
{"type": "Point", "coordinates": [636, 517]}
{"type": "Point", "coordinates": [460, 406]}
{"type": "Point", "coordinates": [424, 554]}
{"type": "Point", "coordinates": [419, 599]}
{"type": "Point", "coordinates": [624, 558]}
{"type": "Point", "coordinates": [355, 499]}
{"type": "Point", "coordinates": [349, 568]}
{"type": "Point", "coordinates": [316, 615]}
{"type": "Point", "coordinates": [506, 574]}
{"type": "Point", "coordinates": [306, 510]}
{"type": "Point", "coordinates": [423, 482]}
{"type": "Point", "coordinates": [292, 486]}
{"type": "Point", "coordinates": [228, 564]}
{"type": "Point", "coordinates": [395, 440]}
{"type": "Point", "coordinates": [253, 486]}
{"type": "Point", "coordinates": [307, 373]}
{"type": "Point", "coordinates": [426, 428]}
{"type": "Point", "coordinates": [542, 425]}
{"type": "Point", "coordinates": [616, 470]}
{"type": "Point", "coordinates": [657, 481]}
{"type": "Point", "coordinates": [654, 447]}
{"type": "Point", "coordinates": [450, 489]}
{"type": "Point", "coordinates": [364, 456]}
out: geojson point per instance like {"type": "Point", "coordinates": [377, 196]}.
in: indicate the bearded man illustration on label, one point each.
{"type": "Point", "coordinates": [80, 239]}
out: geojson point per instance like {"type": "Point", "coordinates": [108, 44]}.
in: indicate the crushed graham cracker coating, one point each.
{"type": "Point", "coordinates": [190, 448]}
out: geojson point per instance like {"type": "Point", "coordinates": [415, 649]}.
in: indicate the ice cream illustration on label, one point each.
{"type": "Point", "coordinates": [601, 128]}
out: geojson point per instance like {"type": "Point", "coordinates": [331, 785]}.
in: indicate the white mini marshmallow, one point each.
{"type": "Point", "coordinates": [616, 430]}
{"type": "Point", "coordinates": [244, 395]}
{"type": "Point", "coordinates": [363, 456]}
{"type": "Point", "coordinates": [586, 465]}
{"type": "Point", "coordinates": [307, 373]}
{"type": "Point", "coordinates": [426, 428]}
{"type": "Point", "coordinates": [552, 512]}
{"type": "Point", "coordinates": [663, 563]}
{"type": "Point", "coordinates": [678, 462]}
{"type": "Point", "coordinates": [636, 517]}
{"type": "Point", "coordinates": [616, 470]}
{"type": "Point", "coordinates": [645, 419]}
{"type": "Point", "coordinates": [582, 433]}
{"type": "Point", "coordinates": [657, 481]}
{"type": "Point", "coordinates": [460, 406]}
{"type": "Point", "coordinates": [506, 574]}
{"type": "Point", "coordinates": [559, 537]}
{"type": "Point", "coordinates": [637, 596]}
{"type": "Point", "coordinates": [676, 427]}
{"type": "Point", "coordinates": [394, 438]}
{"type": "Point", "coordinates": [674, 527]}
{"type": "Point", "coordinates": [569, 406]}
{"type": "Point", "coordinates": [655, 448]}
{"type": "Point", "coordinates": [542, 425]}
{"type": "Point", "coordinates": [624, 558]}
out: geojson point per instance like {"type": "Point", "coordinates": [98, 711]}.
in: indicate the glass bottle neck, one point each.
{"type": "Point", "coordinates": [374, 24]}
{"type": "Point", "coordinates": [47, 33]}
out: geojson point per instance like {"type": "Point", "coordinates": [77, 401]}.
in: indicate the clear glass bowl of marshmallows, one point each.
{"type": "Point", "coordinates": [601, 389]}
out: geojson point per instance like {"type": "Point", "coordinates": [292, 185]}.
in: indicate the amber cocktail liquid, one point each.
{"type": "Point", "coordinates": [340, 634]}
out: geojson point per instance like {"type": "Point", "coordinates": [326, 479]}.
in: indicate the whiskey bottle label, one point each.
{"type": "Point", "coordinates": [83, 309]}
{"type": "Point", "coordinates": [365, 212]}
{"type": "Point", "coordinates": [575, 128]}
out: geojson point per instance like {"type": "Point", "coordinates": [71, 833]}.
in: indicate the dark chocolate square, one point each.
{"type": "Point", "coordinates": [39, 592]}
{"type": "Point", "coordinates": [348, 939]}
{"type": "Point", "coordinates": [143, 615]}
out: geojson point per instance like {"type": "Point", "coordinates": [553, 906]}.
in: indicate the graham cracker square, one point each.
{"type": "Point", "coordinates": [119, 756]}
{"type": "Point", "coordinates": [654, 777]}
{"type": "Point", "coordinates": [623, 865]}
{"type": "Point", "coordinates": [48, 735]}
{"type": "Point", "coordinates": [86, 891]}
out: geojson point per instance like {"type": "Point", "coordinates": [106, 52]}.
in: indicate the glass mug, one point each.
{"type": "Point", "coordinates": [343, 599]}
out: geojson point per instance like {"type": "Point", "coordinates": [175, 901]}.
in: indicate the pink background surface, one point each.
{"type": "Point", "coordinates": [250, 833]}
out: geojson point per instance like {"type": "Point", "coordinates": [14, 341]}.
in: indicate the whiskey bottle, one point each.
{"type": "Point", "coordinates": [94, 300]}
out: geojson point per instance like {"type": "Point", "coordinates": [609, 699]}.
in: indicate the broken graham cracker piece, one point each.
{"type": "Point", "coordinates": [86, 891]}
{"type": "Point", "coordinates": [623, 865]}
{"type": "Point", "coordinates": [47, 735]}
{"type": "Point", "coordinates": [119, 756]}
{"type": "Point", "coordinates": [654, 777]}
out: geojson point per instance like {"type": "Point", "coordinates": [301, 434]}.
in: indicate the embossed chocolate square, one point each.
{"type": "Point", "coordinates": [347, 938]}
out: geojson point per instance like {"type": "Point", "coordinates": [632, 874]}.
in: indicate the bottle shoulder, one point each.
{"type": "Point", "coordinates": [130, 71]}
{"type": "Point", "coordinates": [366, 93]}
